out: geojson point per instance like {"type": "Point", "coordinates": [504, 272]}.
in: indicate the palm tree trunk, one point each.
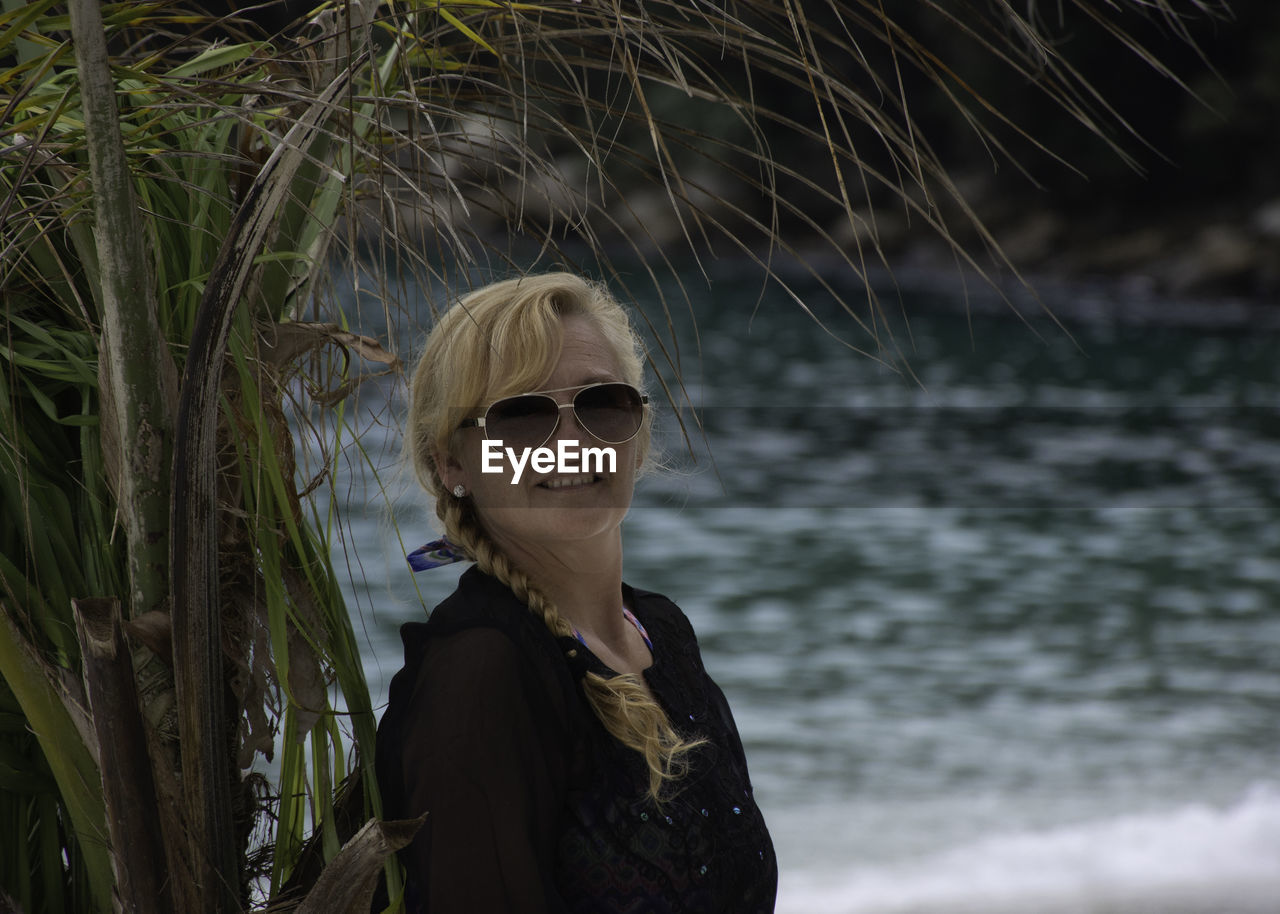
{"type": "Point", "coordinates": [140, 381]}
{"type": "Point", "coordinates": [137, 378]}
{"type": "Point", "coordinates": [133, 820]}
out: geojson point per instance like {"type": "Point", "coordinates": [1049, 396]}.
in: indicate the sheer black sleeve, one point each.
{"type": "Point", "coordinates": [482, 753]}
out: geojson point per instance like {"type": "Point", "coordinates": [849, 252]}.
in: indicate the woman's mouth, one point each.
{"type": "Point", "coordinates": [568, 482]}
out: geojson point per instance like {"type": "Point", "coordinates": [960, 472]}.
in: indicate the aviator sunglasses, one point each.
{"type": "Point", "coordinates": [612, 412]}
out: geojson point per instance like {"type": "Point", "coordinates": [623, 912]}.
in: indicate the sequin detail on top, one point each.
{"type": "Point", "coordinates": [630, 617]}
{"type": "Point", "coordinates": [434, 555]}
{"type": "Point", "coordinates": [617, 852]}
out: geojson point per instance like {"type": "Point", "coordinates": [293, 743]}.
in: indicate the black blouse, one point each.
{"type": "Point", "coordinates": [532, 805]}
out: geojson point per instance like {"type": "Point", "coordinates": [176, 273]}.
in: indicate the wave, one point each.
{"type": "Point", "coordinates": [1197, 859]}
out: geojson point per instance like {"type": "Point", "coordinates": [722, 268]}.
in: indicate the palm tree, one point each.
{"type": "Point", "coordinates": [176, 185]}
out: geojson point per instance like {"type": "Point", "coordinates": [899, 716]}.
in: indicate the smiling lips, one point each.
{"type": "Point", "coordinates": [567, 482]}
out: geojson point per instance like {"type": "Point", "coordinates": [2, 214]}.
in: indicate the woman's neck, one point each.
{"type": "Point", "coordinates": [583, 579]}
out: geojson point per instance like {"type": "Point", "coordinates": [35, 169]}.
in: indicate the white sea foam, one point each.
{"type": "Point", "coordinates": [1196, 859]}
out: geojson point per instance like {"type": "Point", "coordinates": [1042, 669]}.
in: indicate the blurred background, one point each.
{"type": "Point", "coordinates": [1144, 152]}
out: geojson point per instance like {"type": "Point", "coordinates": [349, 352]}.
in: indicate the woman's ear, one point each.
{"type": "Point", "coordinates": [451, 471]}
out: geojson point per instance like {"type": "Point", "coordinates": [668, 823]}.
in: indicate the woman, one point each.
{"type": "Point", "coordinates": [556, 725]}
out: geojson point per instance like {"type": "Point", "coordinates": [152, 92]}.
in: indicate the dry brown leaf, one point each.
{"type": "Point", "coordinates": [306, 684]}
{"type": "Point", "coordinates": [284, 343]}
{"type": "Point", "coordinates": [155, 630]}
{"type": "Point", "coordinates": [347, 884]}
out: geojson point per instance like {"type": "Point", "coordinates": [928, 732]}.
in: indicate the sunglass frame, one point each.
{"type": "Point", "coordinates": [482, 422]}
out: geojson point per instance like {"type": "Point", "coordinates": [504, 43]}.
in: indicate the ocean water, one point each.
{"type": "Point", "coordinates": [1001, 631]}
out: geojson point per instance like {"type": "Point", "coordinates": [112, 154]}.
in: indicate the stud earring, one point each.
{"type": "Point", "coordinates": [459, 490]}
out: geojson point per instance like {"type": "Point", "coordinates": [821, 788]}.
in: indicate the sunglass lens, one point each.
{"type": "Point", "coordinates": [524, 421]}
{"type": "Point", "coordinates": [610, 412]}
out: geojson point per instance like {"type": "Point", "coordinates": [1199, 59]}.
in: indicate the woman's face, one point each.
{"type": "Point", "coordinates": [530, 510]}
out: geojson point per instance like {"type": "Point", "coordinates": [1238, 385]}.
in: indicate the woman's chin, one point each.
{"type": "Point", "coordinates": [563, 516]}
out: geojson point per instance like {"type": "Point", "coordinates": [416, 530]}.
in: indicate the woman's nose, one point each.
{"type": "Point", "coordinates": [568, 428]}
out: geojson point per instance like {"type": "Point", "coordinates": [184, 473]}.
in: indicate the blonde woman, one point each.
{"type": "Point", "coordinates": [556, 725]}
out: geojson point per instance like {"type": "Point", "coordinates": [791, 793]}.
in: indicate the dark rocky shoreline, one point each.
{"type": "Point", "coordinates": [1230, 249]}
{"type": "Point", "coordinates": [1207, 267]}
{"type": "Point", "coordinates": [1191, 260]}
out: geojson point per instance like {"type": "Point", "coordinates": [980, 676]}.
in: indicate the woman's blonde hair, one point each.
{"type": "Point", "coordinates": [500, 340]}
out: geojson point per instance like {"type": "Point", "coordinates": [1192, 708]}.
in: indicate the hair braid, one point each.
{"type": "Point", "coordinates": [622, 702]}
